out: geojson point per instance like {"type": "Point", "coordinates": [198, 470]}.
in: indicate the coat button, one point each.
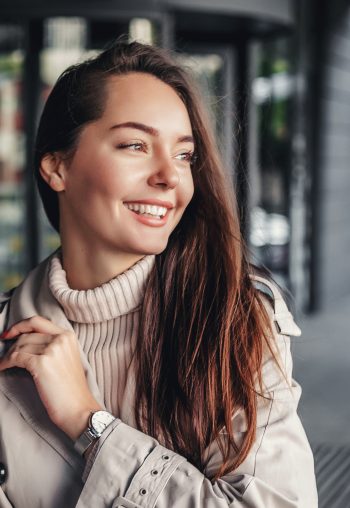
{"type": "Point", "coordinates": [3, 473]}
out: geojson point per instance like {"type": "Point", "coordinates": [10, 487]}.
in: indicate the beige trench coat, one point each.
{"type": "Point", "coordinates": [131, 469]}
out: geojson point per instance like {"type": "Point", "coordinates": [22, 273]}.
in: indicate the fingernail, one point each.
{"type": "Point", "coordinates": [4, 334]}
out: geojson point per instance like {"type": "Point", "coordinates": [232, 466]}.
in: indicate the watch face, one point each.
{"type": "Point", "coordinates": [100, 420]}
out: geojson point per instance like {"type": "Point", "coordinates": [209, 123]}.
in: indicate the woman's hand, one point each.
{"type": "Point", "coordinates": [51, 355]}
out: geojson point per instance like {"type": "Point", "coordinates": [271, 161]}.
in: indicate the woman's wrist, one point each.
{"type": "Point", "coordinates": [81, 421]}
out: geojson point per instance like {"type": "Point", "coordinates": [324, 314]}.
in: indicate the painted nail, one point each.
{"type": "Point", "coordinates": [4, 334]}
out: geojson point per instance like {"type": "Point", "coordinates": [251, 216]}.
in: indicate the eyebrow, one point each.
{"type": "Point", "coordinates": [150, 130]}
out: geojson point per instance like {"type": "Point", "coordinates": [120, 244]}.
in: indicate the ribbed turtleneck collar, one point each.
{"type": "Point", "coordinates": [119, 296]}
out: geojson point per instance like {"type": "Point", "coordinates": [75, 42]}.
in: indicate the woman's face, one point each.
{"type": "Point", "coordinates": [130, 179]}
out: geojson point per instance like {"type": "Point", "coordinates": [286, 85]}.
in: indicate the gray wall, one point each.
{"type": "Point", "coordinates": [334, 159]}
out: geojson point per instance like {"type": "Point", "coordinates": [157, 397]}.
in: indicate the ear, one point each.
{"type": "Point", "coordinates": [52, 169]}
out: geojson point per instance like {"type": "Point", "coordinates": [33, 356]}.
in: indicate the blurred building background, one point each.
{"type": "Point", "coordinates": [276, 76]}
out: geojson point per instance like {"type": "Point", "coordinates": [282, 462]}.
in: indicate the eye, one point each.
{"type": "Point", "coordinates": [135, 147]}
{"type": "Point", "coordinates": [187, 156]}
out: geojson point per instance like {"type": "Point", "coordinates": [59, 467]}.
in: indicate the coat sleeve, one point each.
{"type": "Point", "coordinates": [131, 469]}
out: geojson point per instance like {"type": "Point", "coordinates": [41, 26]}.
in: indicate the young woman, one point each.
{"type": "Point", "coordinates": [149, 369]}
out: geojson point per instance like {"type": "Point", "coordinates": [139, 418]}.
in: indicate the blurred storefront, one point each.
{"type": "Point", "coordinates": [247, 56]}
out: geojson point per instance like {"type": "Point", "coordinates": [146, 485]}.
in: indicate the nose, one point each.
{"type": "Point", "coordinates": [164, 174]}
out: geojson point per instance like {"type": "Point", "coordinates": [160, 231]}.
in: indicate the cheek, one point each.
{"type": "Point", "coordinates": [98, 182]}
{"type": "Point", "coordinates": [188, 190]}
{"type": "Point", "coordinates": [93, 171]}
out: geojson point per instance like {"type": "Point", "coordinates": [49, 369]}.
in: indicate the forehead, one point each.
{"type": "Point", "coordinates": [144, 98]}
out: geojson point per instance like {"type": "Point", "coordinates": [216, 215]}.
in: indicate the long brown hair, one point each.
{"type": "Point", "coordinates": [202, 327]}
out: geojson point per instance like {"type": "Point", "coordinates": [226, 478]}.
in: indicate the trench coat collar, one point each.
{"type": "Point", "coordinates": [33, 297]}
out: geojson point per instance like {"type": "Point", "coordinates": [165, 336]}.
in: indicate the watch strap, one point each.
{"type": "Point", "coordinates": [84, 441]}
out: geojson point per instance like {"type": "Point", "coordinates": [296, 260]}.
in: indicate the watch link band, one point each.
{"type": "Point", "coordinates": [98, 422]}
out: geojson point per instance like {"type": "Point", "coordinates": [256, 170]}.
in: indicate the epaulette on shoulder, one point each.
{"type": "Point", "coordinates": [283, 319]}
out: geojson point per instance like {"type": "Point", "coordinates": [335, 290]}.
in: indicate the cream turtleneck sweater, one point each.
{"type": "Point", "coordinates": [105, 320]}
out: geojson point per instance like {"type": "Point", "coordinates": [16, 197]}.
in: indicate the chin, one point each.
{"type": "Point", "coordinates": [153, 249]}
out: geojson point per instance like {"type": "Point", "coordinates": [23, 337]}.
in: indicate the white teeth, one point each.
{"type": "Point", "coordinates": [157, 211]}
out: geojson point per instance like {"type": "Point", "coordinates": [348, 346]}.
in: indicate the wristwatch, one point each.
{"type": "Point", "coordinates": [98, 422]}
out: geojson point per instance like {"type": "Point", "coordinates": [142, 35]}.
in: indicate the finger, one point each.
{"type": "Point", "coordinates": [32, 324]}
{"type": "Point", "coordinates": [24, 338]}
{"type": "Point", "coordinates": [33, 338]}
{"type": "Point", "coordinates": [18, 359]}
{"type": "Point", "coordinates": [34, 349]}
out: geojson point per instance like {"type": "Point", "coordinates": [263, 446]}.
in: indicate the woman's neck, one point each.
{"type": "Point", "coordinates": [89, 267]}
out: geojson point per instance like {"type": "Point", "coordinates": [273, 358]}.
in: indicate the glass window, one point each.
{"type": "Point", "coordinates": [210, 69]}
{"type": "Point", "coordinates": [270, 155]}
{"type": "Point", "coordinates": [12, 158]}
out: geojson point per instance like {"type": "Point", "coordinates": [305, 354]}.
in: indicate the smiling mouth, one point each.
{"type": "Point", "coordinates": [156, 212]}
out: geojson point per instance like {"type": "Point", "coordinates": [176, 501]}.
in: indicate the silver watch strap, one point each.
{"type": "Point", "coordinates": [84, 441]}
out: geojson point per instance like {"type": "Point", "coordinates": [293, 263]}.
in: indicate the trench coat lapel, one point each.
{"type": "Point", "coordinates": [33, 297]}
